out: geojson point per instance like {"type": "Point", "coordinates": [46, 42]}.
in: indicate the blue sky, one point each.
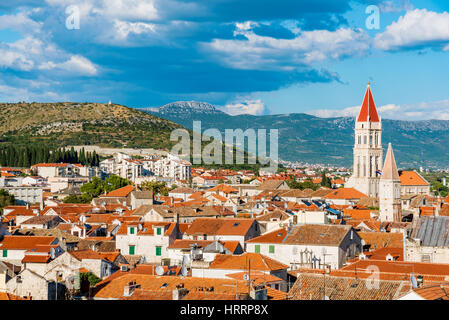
{"type": "Point", "coordinates": [244, 56]}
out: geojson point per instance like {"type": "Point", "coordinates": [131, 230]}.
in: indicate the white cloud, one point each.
{"type": "Point", "coordinates": [20, 22]}
{"type": "Point", "coordinates": [333, 113]}
{"type": "Point", "coordinates": [10, 93]}
{"type": "Point", "coordinates": [416, 28]}
{"type": "Point", "coordinates": [391, 6]}
{"type": "Point", "coordinates": [419, 111]}
{"type": "Point", "coordinates": [144, 10]}
{"type": "Point", "coordinates": [30, 54]}
{"type": "Point", "coordinates": [306, 48]}
{"type": "Point", "coordinates": [254, 107]}
{"type": "Point", "coordinates": [76, 65]}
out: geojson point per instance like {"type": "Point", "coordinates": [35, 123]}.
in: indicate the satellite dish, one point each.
{"type": "Point", "coordinates": [246, 277]}
{"type": "Point", "coordinates": [160, 270]}
{"type": "Point", "coordinates": [184, 271]}
{"type": "Point", "coordinates": [414, 282]}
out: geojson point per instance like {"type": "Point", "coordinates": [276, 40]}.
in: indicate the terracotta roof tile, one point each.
{"type": "Point", "coordinates": [24, 242]}
{"type": "Point", "coordinates": [412, 178]}
{"type": "Point", "coordinates": [258, 262]}
{"type": "Point", "coordinates": [121, 192]}
{"type": "Point", "coordinates": [220, 226]}
{"type": "Point", "coordinates": [345, 193]}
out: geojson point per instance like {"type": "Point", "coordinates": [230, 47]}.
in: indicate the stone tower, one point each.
{"type": "Point", "coordinates": [367, 149]}
{"type": "Point", "coordinates": [390, 190]}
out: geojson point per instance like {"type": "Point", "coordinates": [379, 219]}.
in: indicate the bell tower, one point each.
{"type": "Point", "coordinates": [367, 148]}
{"type": "Point", "coordinates": [390, 190]}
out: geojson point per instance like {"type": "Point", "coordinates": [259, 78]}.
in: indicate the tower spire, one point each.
{"type": "Point", "coordinates": [368, 112]}
{"type": "Point", "coordinates": [390, 170]}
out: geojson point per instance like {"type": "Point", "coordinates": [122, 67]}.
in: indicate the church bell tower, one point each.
{"type": "Point", "coordinates": [367, 149]}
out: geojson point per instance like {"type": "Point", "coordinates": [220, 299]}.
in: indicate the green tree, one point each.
{"type": "Point", "coordinates": [84, 198]}
{"type": "Point", "coordinates": [157, 187]}
{"type": "Point", "coordinates": [326, 181]}
{"type": "Point", "coordinates": [114, 182]}
{"type": "Point", "coordinates": [6, 199]}
{"type": "Point", "coordinates": [93, 188]}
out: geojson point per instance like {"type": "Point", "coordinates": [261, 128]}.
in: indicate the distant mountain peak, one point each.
{"type": "Point", "coordinates": [186, 107]}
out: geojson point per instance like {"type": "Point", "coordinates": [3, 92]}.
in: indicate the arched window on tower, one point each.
{"type": "Point", "coordinates": [364, 139]}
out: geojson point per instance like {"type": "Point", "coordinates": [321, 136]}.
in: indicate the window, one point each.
{"type": "Point", "coordinates": [158, 251]}
{"type": "Point", "coordinates": [257, 248]}
{"type": "Point", "coordinates": [132, 250]}
{"type": "Point", "coordinates": [131, 230]}
{"type": "Point", "coordinates": [271, 249]}
{"type": "Point", "coordinates": [5, 253]}
{"type": "Point", "coordinates": [158, 232]}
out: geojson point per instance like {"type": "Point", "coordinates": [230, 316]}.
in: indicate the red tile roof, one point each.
{"type": "Point", "coordinates": [220, 226]}
{"type": "Point", "coordinates": [121, 192]}
{"type": "Point", "coordinates": [257, 261]}
{"type": "Point", "coordinates": [412, 178]}
{"type": "Point", "coordinates": [24, 242]}
{"type": "Point", "coordinates": [345, 193]}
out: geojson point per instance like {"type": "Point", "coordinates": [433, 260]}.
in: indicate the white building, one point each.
{"type": "Point", "coordinates": [123, 166]}
{"type": "Point", "coordinates": [13, 248]}
{"type": "Point", "coordinates": [49, 170]}
{"type": "Point", "coordinates": [429, 240]}
{"type": "Point", "coordinates": [26, 195]}
{"type": "Point", "coordinates": [172, 167]}
{"type": "Point", "coordinates": [223, 229]}
{"type": "Point", "coordinates": [309, 246]}
{"type": "Point", "coordinates": [148, 239]}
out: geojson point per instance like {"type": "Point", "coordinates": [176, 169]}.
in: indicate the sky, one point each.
{"type": "Point", "coordinates": [244, 56]}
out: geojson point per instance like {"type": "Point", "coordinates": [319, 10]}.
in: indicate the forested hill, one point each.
{"type": "Point", "coordinates": [63, 124]}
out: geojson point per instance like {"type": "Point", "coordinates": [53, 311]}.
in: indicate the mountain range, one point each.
{"type": "Point", "coordinates": [309, 139]}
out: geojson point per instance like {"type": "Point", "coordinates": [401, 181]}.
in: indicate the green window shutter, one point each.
{"type": "Point", "coordinates": [132, 250]}
{"type": "Point", "coordinates": [5, 253]}
{"type": "Point", "coordinates": [271, 249]}
{"type": "Point", "coordinates": [131, 230]}
{"type": "Point", "coordinates": [257, 248]}
{"type": "Point", "coordinates": [158, 251]}
{"type": "Point", "coordinates": [158, 231]}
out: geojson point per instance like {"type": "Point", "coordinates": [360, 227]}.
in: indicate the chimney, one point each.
{"type": "Point", "coordinates": [180, 292]}
{"type": "Point", "coordinates": [28, 206]}
{"type": "Point", "coordinates": [129, 289]}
